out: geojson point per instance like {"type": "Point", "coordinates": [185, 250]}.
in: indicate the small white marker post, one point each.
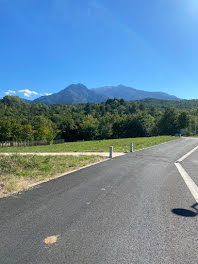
{"type": "Point", "coordinates": [131, 147]}
{"type": "Point", "coordinates": [111, 152]}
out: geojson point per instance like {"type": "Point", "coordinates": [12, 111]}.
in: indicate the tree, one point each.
{"type": "Point", "coordinates": [146, 124]}
{"type": "Point", "coordinates": [5, 129]}
{"type": "Point", "coordinates": [89, 128]}
{"type": "Point", "coordinates": [183, 120]}
{"type": "Point", "coordinates": [43, 129]}
{"type": "Point", "coordinates": [27, 133]}
{"type": "Point", "coordinates": [105, 126]}
{"type": "Point", "coordinates": [68, 129]}
{"type": "Point", "coordinates": [168, 123]}
{"type": "Point", "coordinates": [12, 100]}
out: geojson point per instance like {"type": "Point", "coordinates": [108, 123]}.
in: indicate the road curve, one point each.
{"type": "Point", "coordinates": [118, 211]}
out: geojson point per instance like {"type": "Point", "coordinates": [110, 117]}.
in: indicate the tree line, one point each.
{"type": "Point", "coordinates": [114, 118]}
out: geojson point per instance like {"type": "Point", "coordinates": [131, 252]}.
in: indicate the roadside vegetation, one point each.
{"type": "Point", "coordinates": [20, 172]}
{"type": "Point", "coordinates": [91, 127]}
{"type": "Point", "coordinates": [119, 145]}
{"type": "Point", "coordinates": [112, 119]}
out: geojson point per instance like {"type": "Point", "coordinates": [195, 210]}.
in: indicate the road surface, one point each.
{"type": "Point", "coordinates": [119, 211]}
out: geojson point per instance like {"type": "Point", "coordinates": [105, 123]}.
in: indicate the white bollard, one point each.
{"type": "Point", "coordinates": [131, 147]}
{"type": "Point", "coordinates": [111, 152]}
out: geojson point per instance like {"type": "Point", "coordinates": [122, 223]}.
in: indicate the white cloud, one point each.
{"type": "Point", "coordinates": [10, 92]}
{"type": "Point", "coordinates": [45, 94]}
{"type": "Point", "coordinates": [27, 92]}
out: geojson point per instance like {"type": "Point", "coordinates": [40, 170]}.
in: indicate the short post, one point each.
{"type": "Point", "coordinates": [111, 152]}
{"type": "Point", "coordinates": [131, 147]}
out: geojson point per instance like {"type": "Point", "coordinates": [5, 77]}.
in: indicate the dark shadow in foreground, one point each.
{"type": "Point", "coordinates": [186, 213]}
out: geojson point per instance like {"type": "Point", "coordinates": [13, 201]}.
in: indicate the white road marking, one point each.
{"type": "Point", "coordinates": [189, 182]}
{"type": "Point", "coordinates": [187, 155]}
{"type": "Point", "coordinates": [187, 179]}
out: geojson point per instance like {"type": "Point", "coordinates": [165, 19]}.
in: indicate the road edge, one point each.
{"type": "Point", "coordinates": [35, 185]}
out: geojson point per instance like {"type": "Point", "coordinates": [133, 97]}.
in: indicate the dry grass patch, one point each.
{"type": "Point", "coordinates": [51, 240]}
{"type": "Point", "coordinates": [20, 172]}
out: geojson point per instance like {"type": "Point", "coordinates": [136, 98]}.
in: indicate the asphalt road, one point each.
{"type": "Point", "coordinates": [118, 211]}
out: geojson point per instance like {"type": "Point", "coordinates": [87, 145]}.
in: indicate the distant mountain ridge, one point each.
{"type": "Point", "coordinates": [79, 93]}
{"type": "Point", "coordinates": [73, 94]}
{"type": "Point", "coordinates": [131, 94]}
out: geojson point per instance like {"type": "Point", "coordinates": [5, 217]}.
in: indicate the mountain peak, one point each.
{"type": "Point", "coordinates": [79, 93]}
{"type": "Point", "coordinates": [76, 85]}
{"type": "Point", "coordinates": [72, 94]}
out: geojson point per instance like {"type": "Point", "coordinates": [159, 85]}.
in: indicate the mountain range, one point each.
{"type": "Point", "coordinates": [79, 93]}
{"type": "Point", "coordinates": [131, 94]}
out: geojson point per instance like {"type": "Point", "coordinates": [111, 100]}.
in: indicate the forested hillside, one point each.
{"type": "Point", "coordinates": [115, 118]}
{"type": "Point", "coordinates": [191, 105]}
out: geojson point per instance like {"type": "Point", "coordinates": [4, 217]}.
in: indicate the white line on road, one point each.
{"type": "Point", "coordinates": [187, 155]}
{"type": "Point", "coordinates": [187, 179]}
{"type": "Point", "coordinates": [189, 182]}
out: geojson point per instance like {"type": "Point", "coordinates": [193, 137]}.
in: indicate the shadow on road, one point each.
{"type": "Point", "coordinates": [186, 213]}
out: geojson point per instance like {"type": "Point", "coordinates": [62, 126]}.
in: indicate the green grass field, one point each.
{"type": "Point", "coordinates": [19, 172]}
{"type": "Point", "coordinates": [120, 145]}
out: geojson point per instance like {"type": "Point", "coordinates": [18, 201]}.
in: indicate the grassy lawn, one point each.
{"type": "Point", "coordinates": [20, 172]}
{"type": "Point", "coordinates": [120, 145]}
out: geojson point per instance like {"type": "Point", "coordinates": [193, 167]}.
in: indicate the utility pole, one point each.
{"type": "Point", "coordinates": [195, 126]}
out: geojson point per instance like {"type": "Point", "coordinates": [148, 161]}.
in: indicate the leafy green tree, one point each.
{"type": "Point", "coordinates": [168, 123]}
{"type": "Point", "coordinates": [183, 120]}
{"type": "Point", "coordinates": [43, 129]}
{"type": "Point", "coordinates": [27, 133]}
{"type": "Point", "coordinates": [12, 100]}
{"type": "Point", "coordinates": [89, 127]}
{"type": "Point", "coordinates": [105, 127]}
{"type": "Point", "coordinates": [120, 127]}
{"type": "Point", "coordinates": [68, 130]}
{"type": "Point", "coordinates": [5, 129]}
{"type": "Point", "coordinates": [146, 124]}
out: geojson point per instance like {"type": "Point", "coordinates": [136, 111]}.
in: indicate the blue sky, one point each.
{"type": "Point", "coordinates": [47, 45]}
